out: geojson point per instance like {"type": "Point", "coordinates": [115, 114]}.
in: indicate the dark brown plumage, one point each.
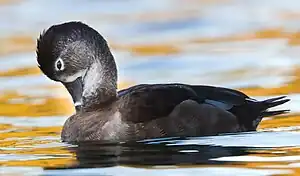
{"type": "Point", "coordinates": [78, 56]}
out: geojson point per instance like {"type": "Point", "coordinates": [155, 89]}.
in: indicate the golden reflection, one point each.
{"type": "Point", "coordinates": [31, 132]}
{"type": "Point", "coordinates": [23, 144]}
{"type": "Point", "coordinates": [5, 127]}
{"type": "Point", "coordinates": [173, 47]}
{"type": "Point", "coordinates": [51, 162]}
{"type": "Point", "coordinates": [149, 49]}
{"type": "Point", "coordinates": [39, 151]}
{"type": "Point", "coordinates": [20, 72]}
{"type": "Point", "coordinates": [16, 44]}
{"type": "Point", "coordinates": [294, 39]}
{"type": "Point", "coordinates": [29, 106]}
{"type": "Point", "coordinates": [281, 121]}
{"type": "Point", "coordinates": [287, 88]}
{"type": "Point", "coordinates": [268, 153]}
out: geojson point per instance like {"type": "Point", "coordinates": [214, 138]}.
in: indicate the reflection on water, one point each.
{"type": "Point", "coordinates": [248, 45]}
{"type": "Point", "coordinates": [147, 155]}
{"type": "Point", "coordinates": [175, 153]}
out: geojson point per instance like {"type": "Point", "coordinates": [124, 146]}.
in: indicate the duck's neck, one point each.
{"type": "Point", "coordinates": [99, 84]}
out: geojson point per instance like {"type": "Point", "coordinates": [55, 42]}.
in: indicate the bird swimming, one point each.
{"type": "Point", "coordinates": [79, 57]}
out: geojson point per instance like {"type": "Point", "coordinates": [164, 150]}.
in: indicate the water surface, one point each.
{"type": "Point", "coordinates": [252, 46]}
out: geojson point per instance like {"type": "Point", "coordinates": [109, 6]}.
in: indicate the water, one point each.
{"type": "Point", "coordinates": [252, 46]}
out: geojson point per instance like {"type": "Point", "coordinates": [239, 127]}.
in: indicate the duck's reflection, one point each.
{"type": "Point", "coordinates": [95, 154]}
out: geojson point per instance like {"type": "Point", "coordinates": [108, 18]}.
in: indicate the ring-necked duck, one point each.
{"type": "Point", "coordinates": [79, 57]}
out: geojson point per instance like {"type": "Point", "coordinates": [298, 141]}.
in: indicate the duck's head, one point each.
{"type": "Point", "coordinates": [77, 56]}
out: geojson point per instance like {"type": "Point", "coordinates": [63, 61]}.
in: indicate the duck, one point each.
{"type": "Point", "coordinates": [78, 56]}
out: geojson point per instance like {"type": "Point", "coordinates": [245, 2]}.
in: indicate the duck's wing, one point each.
{"type": "Point", "coordinates": [151, 101]}
{"type": "Point", "coordinates": [172, 109]}
{"type": "Point", "coordinates": [249, 111]}
{"type": "Point", "coordinates": [224, 98]}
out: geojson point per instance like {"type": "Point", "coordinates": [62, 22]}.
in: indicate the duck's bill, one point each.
{"type": "Point", "coordinates": [75, 90]}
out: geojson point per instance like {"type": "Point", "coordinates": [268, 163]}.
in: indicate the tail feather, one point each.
{"type": "Point", "coordinates": [274, 99]}
{"type": "Point", "coordinates": [251, 113]}
{"type": "Point", "coordinates": [272, 102]}
{"type": "Point", "coordinates": [274, 113]}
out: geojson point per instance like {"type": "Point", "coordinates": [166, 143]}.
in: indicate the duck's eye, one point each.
{"type": "Point", "coordinates": [59, 65]}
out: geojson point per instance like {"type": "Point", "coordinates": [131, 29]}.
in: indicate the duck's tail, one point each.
{"type": "Point", "coordinates": [272, 102]}
{"type": "Point", "coordinates": [251, 113]}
